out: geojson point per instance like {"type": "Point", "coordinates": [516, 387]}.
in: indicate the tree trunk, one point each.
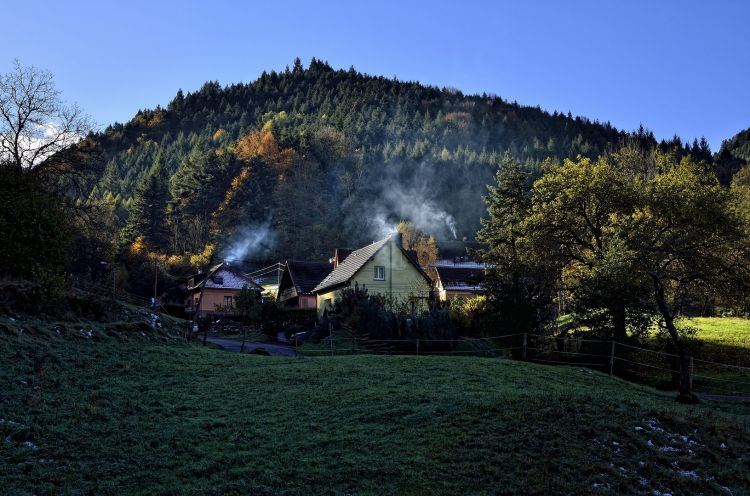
{"type": "Point", "coordinates": [685, 377]}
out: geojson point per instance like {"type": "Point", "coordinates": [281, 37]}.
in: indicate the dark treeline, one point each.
{"type": "Point", "coordinates": [733, 155]}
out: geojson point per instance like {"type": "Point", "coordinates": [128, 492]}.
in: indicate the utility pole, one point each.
{"type": "Point", "coordinates": [156, 279]}
{"type": "Point", "coordinates": [114, 275]}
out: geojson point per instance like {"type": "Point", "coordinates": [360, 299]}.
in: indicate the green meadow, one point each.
{"type": "Point", "coordinates": [142, 413]}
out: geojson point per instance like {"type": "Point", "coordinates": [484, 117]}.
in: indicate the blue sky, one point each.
{"type": "Point", "coordinates": [677, 67]}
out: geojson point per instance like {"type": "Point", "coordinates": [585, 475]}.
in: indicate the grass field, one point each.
{"type": "Point", "coordinates": [725, 339]}
{"type": "Point", "coordinates": [722, 340]}
{"type": "Point", "coordinates": [119, 414]}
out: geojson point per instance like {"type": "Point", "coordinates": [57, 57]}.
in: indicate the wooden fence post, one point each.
{"type": "Point", "coordinates": [417, 346]}
{"type": "Point", "coordinates": [331, 336]}
{"type": "Point", "coordinates": [612, 359]}
{"type": "Point", "coordinates": [523, 353]}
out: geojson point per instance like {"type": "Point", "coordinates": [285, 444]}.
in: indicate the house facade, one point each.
{"type": "Point", "coordinates": [220, 286]}
{"type": "Point", "coordinates": [384, 268]}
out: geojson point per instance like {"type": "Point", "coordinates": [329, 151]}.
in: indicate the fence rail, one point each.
{"type": "Point", "coordinates": [627, 360]}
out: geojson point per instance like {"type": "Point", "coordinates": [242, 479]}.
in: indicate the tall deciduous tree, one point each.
{"type": "Point", "coordinates": [571, 223]}
{"type": "Point", "coordinates": [41, 174]}
{"type": "Point", "coordinates": [35, 124]}
{"type": "Point", "coordinates": [682, 235]}
{"type": "Point", "coordinates": [629, 234]}
{"type": "Point", "coordinates": [740, 191]}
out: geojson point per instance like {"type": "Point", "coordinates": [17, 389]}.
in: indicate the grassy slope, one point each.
{"type": "Point", "coordinates": [128, 416]}
{"type": "Point", "coordinates": [724, 340]}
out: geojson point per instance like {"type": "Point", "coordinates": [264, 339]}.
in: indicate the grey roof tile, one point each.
{"type": "Point", "coordinates": [346, 269]}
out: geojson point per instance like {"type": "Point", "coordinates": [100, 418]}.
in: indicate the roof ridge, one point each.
{"type": "Point", "coordinates": [350, 265]}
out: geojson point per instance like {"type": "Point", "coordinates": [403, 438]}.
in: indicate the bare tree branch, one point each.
{"type": "Point", "coordinates": [35, 124]}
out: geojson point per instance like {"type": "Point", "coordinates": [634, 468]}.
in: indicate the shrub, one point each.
{"type": "Point", "coordinates": [373, 317]}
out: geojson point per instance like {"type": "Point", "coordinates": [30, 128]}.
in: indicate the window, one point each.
{"type": "Point", "coordinates": [379, 273]}
{"type": "Point", "coordinates": [228, 303]}
{"type": "Point", "coordinates": [218, 280]}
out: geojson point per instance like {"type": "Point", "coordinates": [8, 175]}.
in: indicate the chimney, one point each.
{"type": "Point", "coordinates": [339, 256]}
{"type": "Point", "coordinates": [397, 239]}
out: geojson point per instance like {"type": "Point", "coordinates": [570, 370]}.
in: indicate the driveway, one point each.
{"type": "Point", "coordinates": [276, 349]}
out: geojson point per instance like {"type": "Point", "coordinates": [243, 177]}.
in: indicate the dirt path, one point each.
{"type": "Point", "coordinates": [731, 398]}
{"type": "Point", "coordinates": [276, 349]}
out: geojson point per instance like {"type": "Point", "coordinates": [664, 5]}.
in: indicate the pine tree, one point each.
{"type": "Point", "coordinates": [519, 288]}
{"type": "Point", "coordinates": [508, 203]}
{"type": "Point", "coordinates": [147, 213]}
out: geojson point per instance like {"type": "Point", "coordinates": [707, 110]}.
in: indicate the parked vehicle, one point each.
{"type": "Point", "coordinates": [299, 337]}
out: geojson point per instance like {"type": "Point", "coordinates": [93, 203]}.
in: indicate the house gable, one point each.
{"type": "Point", "coordinates": [382, 268]}
{"type": "Point", "coordinates": [401, 278]}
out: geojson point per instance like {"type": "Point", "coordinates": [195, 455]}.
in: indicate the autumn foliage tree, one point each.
{"type": "Point", "coordinates": [423, 244]}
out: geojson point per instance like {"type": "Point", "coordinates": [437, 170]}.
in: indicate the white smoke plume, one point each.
{"type": "Point", "coordinates": [382, 225]}
{"type": "Point", "coordinates": [411, 203]}
{"type": "Point", "coordinates": [249, 241]}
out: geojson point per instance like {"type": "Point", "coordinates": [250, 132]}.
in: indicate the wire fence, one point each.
{"type": "Point", "coordinates": [633, 361]}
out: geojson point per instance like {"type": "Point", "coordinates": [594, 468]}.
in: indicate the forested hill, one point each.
{"type": "Point", "coordinates": [323, 158]}
{"type": "Point", "coordinates": [733, 154]}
